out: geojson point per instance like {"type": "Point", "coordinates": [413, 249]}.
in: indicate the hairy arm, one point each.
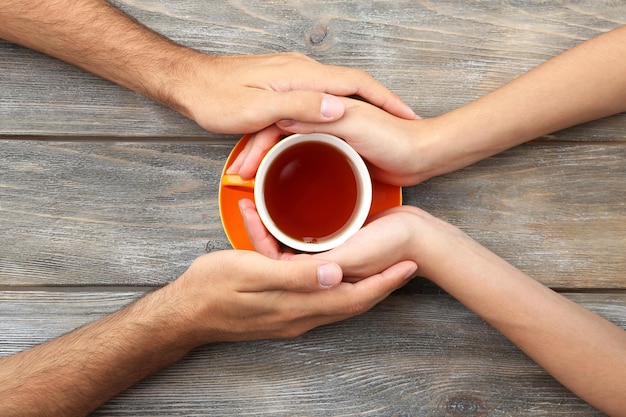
{"type": "Point", "coordinates": [230, 94]}
{"type": "Point", "coordinates": [97, 37]}
{"type": "Point", "coordinates": [73, 374]}
{"type": "Point", "coordinates": [223, 296]}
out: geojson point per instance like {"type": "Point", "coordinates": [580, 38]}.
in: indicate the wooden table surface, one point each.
{"type": "Point", "coordinates": [105, 195]}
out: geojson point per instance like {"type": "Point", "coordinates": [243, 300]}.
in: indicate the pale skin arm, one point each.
{"type": "Point", "coordinates": [585, 83]}
{"type": "Point", "coordinates": [582, 350]}
{"type": "Point", "coordinates": [230, 94]}
{"type": "Point", "coordinates": [223, 296]}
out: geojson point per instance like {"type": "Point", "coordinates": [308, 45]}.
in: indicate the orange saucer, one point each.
{"type": "Point", "coordinates": [384, 196]}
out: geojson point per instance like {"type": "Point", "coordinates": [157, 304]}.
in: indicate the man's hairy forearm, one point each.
{"type": "Point", "coordinates": [98, 37]}
{"type": "Point", "coordinates": [223, 94]}
{"type": "Point", "coordinates": [74, 374]}
{"type": "Point", "coordinates": [223, 296]}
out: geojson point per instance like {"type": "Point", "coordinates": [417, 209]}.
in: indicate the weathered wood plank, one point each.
{"type": "Point", "coordinates": [420, 355]}
{"type": "Point", "coordinates": [135, 214]}
{"type": "Point", "coordinates": [435, 55]}
{"type": "Point", "coordinates": [125, 212]}
{"type": "Point", "coordinates": [555, 211]}
{"type": "Point", "coordinates": [105, 213]}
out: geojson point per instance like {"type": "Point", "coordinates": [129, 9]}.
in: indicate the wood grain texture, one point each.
{"type": "Point", "coordinates": [412, 355]}
{"type": "Point", "coordinates": [107, 213]}
{"type": "Point", "coordinates": [437, 55]}
{"type": "Point", "coordinates": [556, 211]}
{"type": "Point", "coordinates": [115, 213]}
{"type": "Point", "coordinates": [105, 194]}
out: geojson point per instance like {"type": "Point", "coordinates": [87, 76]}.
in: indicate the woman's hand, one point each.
{"type": "Point", "coordinates": [386, 241]}
{"type": "Point", "coordinates": [398, 151]}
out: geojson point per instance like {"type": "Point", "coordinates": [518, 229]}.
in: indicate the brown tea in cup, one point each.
{"type": "Point", "coordinates": [310, 191]}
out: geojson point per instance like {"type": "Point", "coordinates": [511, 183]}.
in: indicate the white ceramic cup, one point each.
{"type": "Point", "coordinates": [363, 193]}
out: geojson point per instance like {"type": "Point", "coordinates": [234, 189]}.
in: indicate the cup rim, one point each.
{"type": "Point", "coordinates": [364, 192]}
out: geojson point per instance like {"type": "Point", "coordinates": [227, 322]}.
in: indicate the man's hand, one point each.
{"type": "Point", "coordinates": [223, 296]}
{"type": "Point", "coordinates": [227, 94]}
{"type": "Point", "coordinates": [244, 94]}
{"type": "Point", "coordinates": [242, 295]}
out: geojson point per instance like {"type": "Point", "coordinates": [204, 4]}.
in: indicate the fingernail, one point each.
{"type": "Point", "coordinates": [332, 107]}
{"type": "Point", "coordinates": [286, 123]}
{"type": "Point", "coordinates": [242, 208]}
{"type": "Point", "coordinates": [411, 273]}
{"type": "Point", "coordinates": [329, 275]}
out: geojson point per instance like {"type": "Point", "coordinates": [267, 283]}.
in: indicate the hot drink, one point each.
{"type": "Point", "coordinates": [310, 191]}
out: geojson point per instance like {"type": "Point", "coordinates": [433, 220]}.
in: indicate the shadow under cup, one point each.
{"type": "Point", "coordinates": [312, 191]}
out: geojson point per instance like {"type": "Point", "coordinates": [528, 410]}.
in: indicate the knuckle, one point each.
{"type": "Point", "coordinates": [287, 280]}
{"type": "Point", "coordinates": [297, 55]}
{"type": "Point", "coordinates": [291, 57]}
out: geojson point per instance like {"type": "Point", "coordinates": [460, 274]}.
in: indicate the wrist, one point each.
{"type": "Point", "coordinates": [430, 142]}
{"type": "Point", "coordinates": [469, 134]}
{"type": "Point", "coordinates": [453, 143]}
{"type": "Point", "coordinates": [172, 80]}
{"type": "Point", "coordinates": [440, 249]}
{"type": "Point", "coordinates": [161, 316]}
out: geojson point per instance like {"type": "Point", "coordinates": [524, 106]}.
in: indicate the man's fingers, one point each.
{"type": "Point", "coordinates": [355, 82]}
{"type": "Point", "coordinates": [375, 288]}
{"type": "Point", "coordinates": [301, 274]}
{"type": "Point", "coordinates": [351, 299]}
{"type": "Point", "coordinates": [306, 106]}
{"type": "Point", "coordinates": [350, 125]}
{"type": "Point", "coordinates": [304, 276]}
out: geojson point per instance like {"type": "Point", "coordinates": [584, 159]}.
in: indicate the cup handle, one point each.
{"type": "Point", "coordinates": [234, 180]}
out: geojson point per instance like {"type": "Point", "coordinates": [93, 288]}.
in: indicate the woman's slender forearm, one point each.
{"type": "Point", "coordinates": [582, 350]}
{"type": "Point", "coordinates": [585, 83]}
